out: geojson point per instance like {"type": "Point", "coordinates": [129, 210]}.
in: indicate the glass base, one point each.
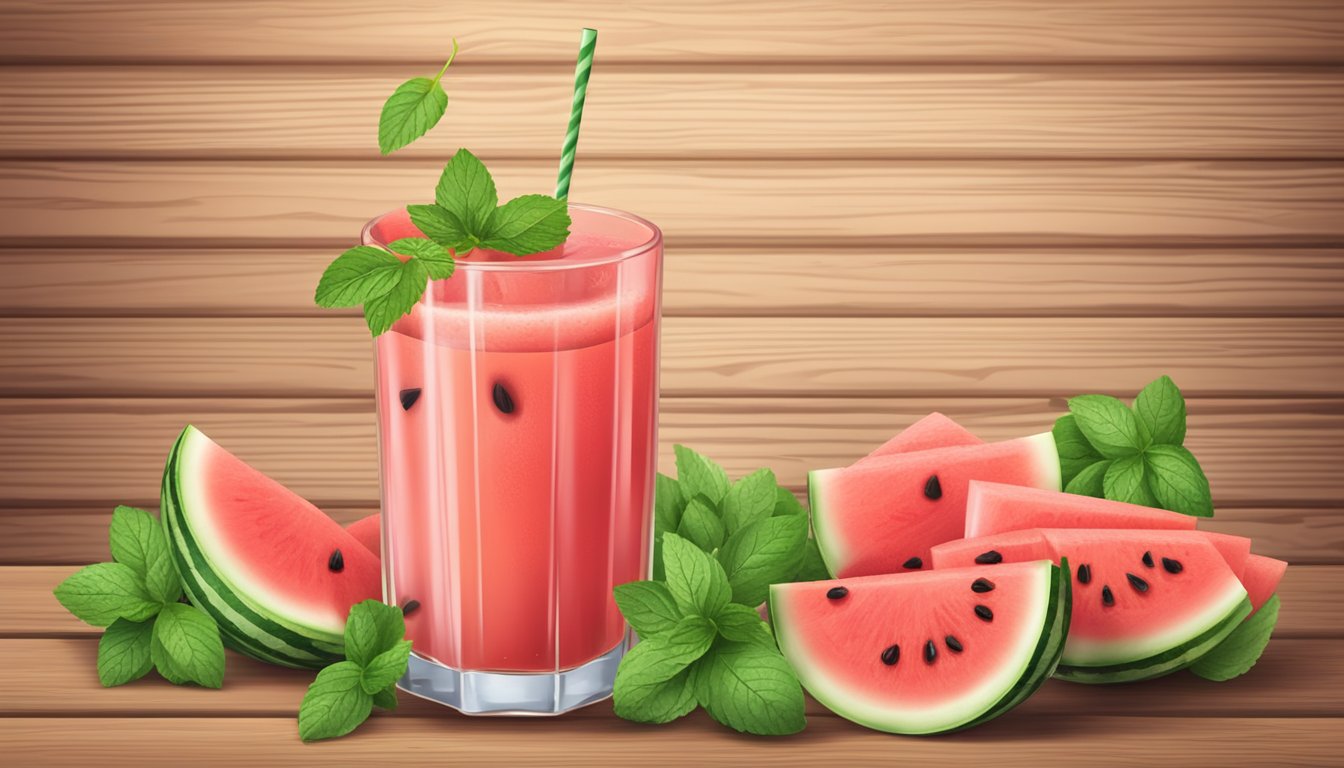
{"type": "Point", "coordinates": [514, 693]}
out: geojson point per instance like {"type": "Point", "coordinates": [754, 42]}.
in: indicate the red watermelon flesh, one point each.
{"type": "Point", "coordinates": [884, 514]}
{"type": "Point", "coordinates": [1131, 620]}
{"type": "Point", "coordinates": [932, 431]}
{"type": "Point", "coordinates": [995, 508]}
{"type": "Point", "coordinates": [1261, 578]}
{"type": "Point", "coordinates": [368, 531]}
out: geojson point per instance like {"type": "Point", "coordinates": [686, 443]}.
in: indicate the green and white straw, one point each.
{"type": "Point", "coordinates": [587, 44]}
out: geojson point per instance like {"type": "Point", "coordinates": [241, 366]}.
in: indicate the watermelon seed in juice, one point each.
{"type": "Point", "coordinates": [933, 489]}
{"type": "Point", "coordinates": [984, 612]}
{"type": "Point", "coordinates": [1084, 573]}
{"type": "Point", "coordinates": [891, 655]}
{"type": "Point", "coordinates": [981, 586]}
{"type": "Point", "coordinates": [1172, 566]}
{"type": "Point", "coordinates": [503, 400]}
{"type": "Point", "coordinates": [912, 564]}
{"type": "Point", "coordinates": [836, 593]}
{"type": "Point", "coordinates": [408, 397]}
{"type": "Point", "coordinates": [410, 607]}
{"type": "Point", "coordinates": [1148, 559]}
{"type": "Point", "coordinates": [1107, 598]}
{"type": "Point", "coordinates": [1137, 583]}
{"type": "Point", "coordinates": [953, 644]}
{"type": "Point", "coordinates": [336, 563]}
{"type": "Point", "coordinates": [989, 558]}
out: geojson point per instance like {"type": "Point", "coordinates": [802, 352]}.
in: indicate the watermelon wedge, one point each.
{"type": "Point", "coordinates": [369, 532]}
{"type": "Point", "coordinates": [932, 431]}
{"type": "Point", "coordinates": [883, 515]}
{"type": "Point", "coordinates": [277, 574]}
{"type": "Point", "coordinates": [1145, 603]}
{"type": "Point", "coordinates": [913, 653]}
{"type": "Point", "coordinates": [1261, 578]}
{"type": "Point", "coordinates": [996, 508]}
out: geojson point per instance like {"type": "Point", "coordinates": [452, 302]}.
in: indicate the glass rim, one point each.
{"type": "Point", "coordinates": [654, 241]}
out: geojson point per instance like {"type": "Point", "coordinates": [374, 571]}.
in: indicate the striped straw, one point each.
{"type": "Point", "coordinates": [587, 44]}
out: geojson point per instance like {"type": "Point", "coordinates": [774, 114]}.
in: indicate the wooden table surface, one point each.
{"type": "Point", "coordinates": [873, 210]}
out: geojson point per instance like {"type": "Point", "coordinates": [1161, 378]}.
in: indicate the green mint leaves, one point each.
{"type": "Point", "coordinates": [1240, 650]}
{"type": "Point", "coordinates": [1132, 454]}
{"type": "Point", "coordinates": [697, 647]}
{"type": "Point", "coordinates": [416, 106]}
{"type": "Point", "coordinates": [344, 693]}
{"type": "Point", "coordinates": [387, 285]}
{"type": "Point", "coordinates": [136, 598]}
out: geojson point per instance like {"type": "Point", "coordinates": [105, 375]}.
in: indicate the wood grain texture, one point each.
{"type": "Point", "coordinates": [747, 31]}
{"type": "Point", "coordinates": [893, 112]}
{"type": "Point", "coordinates": [719, 282]}
{"type": "Point", "coordinates": [1009, 742]}
{"type": "Point", "coordinates": [56, 677]}
{"type": "Point", "coordinates": [696, 201]}
{"type": "Point", "coordinates": [1269, 454]}
{"type": "Point", "coordinates": [946, 357]}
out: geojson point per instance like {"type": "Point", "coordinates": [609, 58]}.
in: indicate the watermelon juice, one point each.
{"type": "Point", "coordinates": [517, 415]}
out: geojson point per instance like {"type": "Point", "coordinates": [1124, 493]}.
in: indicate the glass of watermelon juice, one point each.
{"type": "Point", "coordinates": [517, 422]}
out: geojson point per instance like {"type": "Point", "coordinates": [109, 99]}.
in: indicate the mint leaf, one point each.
{"type": "Point", "coordinates": [749, 688]}
{"type": "Point", "coordinates": [1091, 481]}
{"type": "Point", "coordinates": [813, 567]}
{"type": "Point", "coordinates": [668, 503]}
{"type": "Point", "coordinates": [764, 553]}
{"type": "Point", "coordinates": [1125, 481]}
{"type": "Point", "coordinates": [652, 701]}
{"type": "Point", "coordinates": [123, 652]}
{"type": "Point", "coordinates": [1108, 424]}
{"type": "Point", "coordinates": [1160, 413]}
{"type": "Point", "coordinates": [1240, 650]}
{"type": "Point", "coordinates": [750, 499]}
{"type": "Point", "coordinates": [382, 311]}
{"type": "Point", "coordinates": [699, 474]}
{"type": "Point", "coordinates": [413, 108]}
{"type": "Point", "coordinates": [528, 224]}
{"type": "Point", "coordinates": [372, 628]}
{"type": "Point", "coordinates": [138, 540]}
{"type": "Point", "coordinates": [358, 276]}
{"type": "Point", "coordinates": [100, 594]}
{"type": "Point", "coordinates": [436, 260]}
{"type": "Point", "coordinates": [648, 607]}
{"type": "Point", "coordinates": [335, 703]}
{"type": "Point", "coordinates": [1075, 452]}
{"type": "Point", "coordinates": [386, 698]}
{"type": "Point", "coordinates": [700, 525]}
{"type": "Point", "coordinates": [1177, 482]}
{"type": "Point", "coordinates": [787, 504]}
{"type": "Point", "coordinates": [694, 578]}
{"type": "Point", "coordinates": [467, 191]}
{"type": "Point", "coordinates": [186, 646]}
{"type": "Point", "coordinates": [386, 668]}
{"type": "Point", "coordinates": [440, 226]}
{"type": "Point", "coordinates": [743, 624]}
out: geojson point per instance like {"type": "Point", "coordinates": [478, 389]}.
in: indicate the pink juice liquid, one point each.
{"type": "Point", "coordinates": [517, 483]}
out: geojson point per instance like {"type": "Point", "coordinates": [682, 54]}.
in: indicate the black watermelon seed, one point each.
{"type": "Point", "coordinates": [410, 607]}
{"type": "Point", "coordinates": [930, 652]}
{"type": "Point", "coordinates": [1106, 597]}
{"type": "Point", "coordinates": [988, 558]}
{"type": "Point", "coordinates": [1172, 566]}
{"type": "Point", "coordinates": [983, 612]}
{"type": "Point", "coordinates": [1148, 559]}
{"type": "Point", "coordinates": [891, 655]}
{"type": "Point", "coordinates": [912, 564]}
{"type": "Point", "coordinates": [953, 644]}
{"type": "Point", "coordinates": [408, 398]}
{"type": "Point", "coordinates": [836, 593]}
{"type": "Point", "coordinates": [1084, 574]}
{"type": "Point", "coordinates": [982, 586]}
{"type": "Point", "coordinates": [932, 488]}
{"type": "Point", "coordinates": [1138, 584]}
{"type": "Point", "coordinates": [336, 563]}
{"type": "Point", "coordinates": [503, 400]}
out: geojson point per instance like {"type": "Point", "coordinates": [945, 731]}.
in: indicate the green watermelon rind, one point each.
{"type": "Point", "coordinates": [245, 627]}
{"type": "Point", "coordinates": [1045, 658]}
{"type": "Point", "coordinates": [1172, 660]}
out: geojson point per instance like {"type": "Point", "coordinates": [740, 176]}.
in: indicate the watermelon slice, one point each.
{"type": "Point", "coordinates": [369, 532]}
{"type": "Point", "coordinates": [883, 515]}
{"type": "Point", "coordinates": [277, 574]}
{"type": "Point", "coordinates": [913, 653]}
{"type": "Point", "coordinates": [932, 431]}
{"type": "Point", "coordinates": [996, 508]}
{"type": "Point", "coordinates": [1129, 586]}
{"type": "Point", "coordinates": [1261, 578]}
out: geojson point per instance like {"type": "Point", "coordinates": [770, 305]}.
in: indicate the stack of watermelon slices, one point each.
{"type": "Point", "coordinates": [1134, 593]}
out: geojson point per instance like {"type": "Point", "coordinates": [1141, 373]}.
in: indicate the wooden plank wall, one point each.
{"type": "Point", "coordinates": [873, 210]}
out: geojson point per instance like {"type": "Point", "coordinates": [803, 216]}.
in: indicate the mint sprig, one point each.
{"type": "Point", "coordinates": [1242, 649]}
{"type": "Point", "coordinates": [1133, 454]}
{"type": "Point", "coordinates": [136, 597]}
{"type": "Point", "coordinates": [697, 647]}
{"type": "Point", "coordinates": [344, 694]}
{"type": "Point", "coordinates": [413, 108]}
